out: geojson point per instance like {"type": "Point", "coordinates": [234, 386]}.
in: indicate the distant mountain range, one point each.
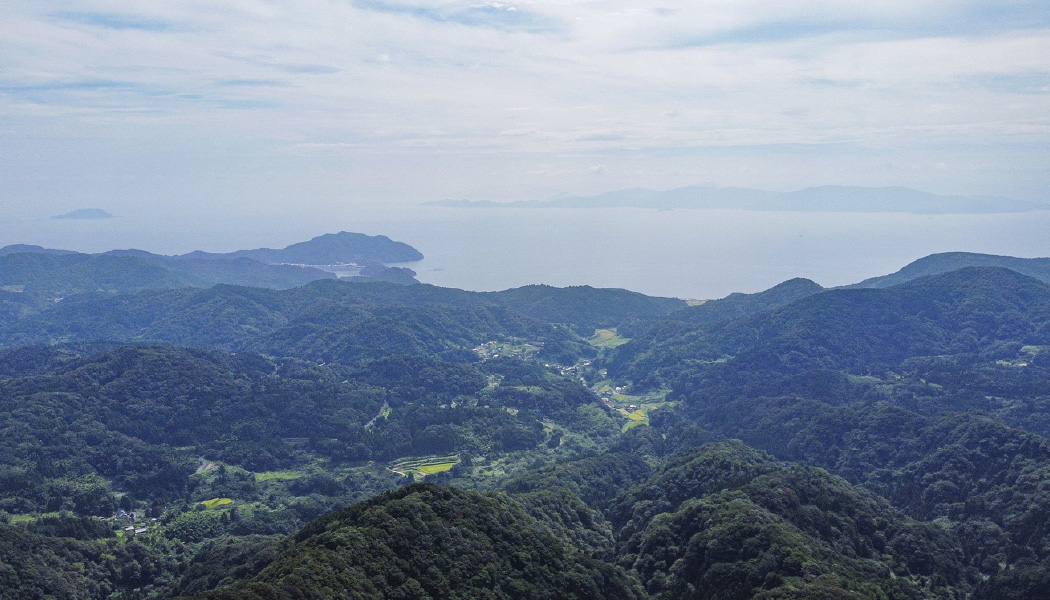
{"type": "Point", "coordinates": [815, 199]}
{"type": "Point", "coordinates": [54, 273]}
{"type": "Point", "coordinates": [85, 213]}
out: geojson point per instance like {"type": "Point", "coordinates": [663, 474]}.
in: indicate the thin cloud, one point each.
{"type": "Point", "coordinates": [857, 22]}
{"type": "Point", "coordinates": [1025, 83]}
{"type": "Point", "coordinates": [492, 15]}
{"type": "Point", "coordinates": [54, 90]}
{"type": "Point", "coordinates": [724, 90]}
{"type": "Point", "coordinates": [252, 83]}
{"type": "Point", "coordinates": [764, 33]}
{"type": "Point", "coordinates": [305, 69]}
{"type": "Point", "coordinates": [119, 21]}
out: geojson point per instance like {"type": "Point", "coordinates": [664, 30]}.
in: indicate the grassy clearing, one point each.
{"type": "Point", "coordinates": [205, 466]}
{"type": "Point", "coordinates": [606, 338]}
{"type": "Point", "coordinates": [637, 415]}
{"type": "Point", "coordinates": [216, 502]}
{"type": "Point", "coordinates": [15, 519]}
{"type": "Point", "coordinates": [629, 425]}
{"type": "Point", "coordinates": [634, 418]}
{"type": "Point", "coordinates": [423, 466]}
{"type": "Point", "coordinates": [281, 475]}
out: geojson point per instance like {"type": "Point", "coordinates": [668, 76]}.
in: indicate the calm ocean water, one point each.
{"type": "Point", "coordinates": [684, 253]}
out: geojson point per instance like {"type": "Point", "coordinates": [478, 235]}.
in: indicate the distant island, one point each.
{"type": "Point", "coordinates": [814, 199]}
{"type": "Point", "coordinates": [85, 213]}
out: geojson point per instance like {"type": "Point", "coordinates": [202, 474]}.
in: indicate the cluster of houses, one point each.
{"type": "Point", "coordinates": [133, 517]}
{"type": "Point", "coordinates": [571, 369]}
{"type": "Point", "coordinates": [608, 402]}
{"type": "Point", "coordinates": [492, 349]}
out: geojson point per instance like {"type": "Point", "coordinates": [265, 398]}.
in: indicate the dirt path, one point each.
{"type": "Point", "coordinates": [206, 465]}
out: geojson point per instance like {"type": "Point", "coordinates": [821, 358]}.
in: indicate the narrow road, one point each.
{"type": "Point", "coordinates": [382, 410]}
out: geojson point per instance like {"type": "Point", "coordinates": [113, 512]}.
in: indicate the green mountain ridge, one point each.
{"type": "Point", "coordinates": [951, 261]}
{"type": "Point", "coordinates": [766, 529]}
{"type": "Point", "coordinates": [46, 274]}
{"type": "Point", "coordinates": [882, 442]}
{"type": "Point", "coordinates": [326, 320]}
{"type": "Point", "coordinates": [739, 305]}
{"type": "Point", "coordinates": [425, 541]}
{"type": "Point", "coordinates": [863, 331]}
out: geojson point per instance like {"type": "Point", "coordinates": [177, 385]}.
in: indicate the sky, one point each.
{"type": "Point", "coordinates": [259, 107]}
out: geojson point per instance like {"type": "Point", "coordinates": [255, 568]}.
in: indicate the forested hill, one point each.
{"type": "Point", "coordinates": [45, 277]}
{"type": "Point", "coordinates": [881, 386]}
{"type": "Point", "coordinates": [735, 306]}
{"type": "Point", "coordinates": [327, 249]}
{"type": "Point", "coordinates": [989, 312]}
{"type": "Point", "coordinates": [426, 541]}
{"type": "Point", "coordinates": [45, 274]}
{"type": "Point", "coordinates": [583, 307]}
{"type": "Point", "coordinates": [718, 521]}
{"type": "Point", "coordinates": [951, 261]}
{"type": "Point", "coordinates": [725, 521]}
{"type": "Point", "coordinates": [244, 443]}
{"type": "Point", "coordinates": [329, 320]}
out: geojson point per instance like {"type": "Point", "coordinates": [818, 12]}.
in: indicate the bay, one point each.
{"type": "Point", "coordinates": [683, 253]}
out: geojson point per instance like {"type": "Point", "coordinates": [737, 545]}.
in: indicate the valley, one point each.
{"type": "Point", "coordinates": [342, 437]}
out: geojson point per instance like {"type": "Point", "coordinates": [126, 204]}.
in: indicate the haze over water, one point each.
{"type": "Point", "coordinates": [683, 253]}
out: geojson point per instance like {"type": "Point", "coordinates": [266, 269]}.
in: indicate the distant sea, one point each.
{"type": "Point", "coordinates": [685, 253]}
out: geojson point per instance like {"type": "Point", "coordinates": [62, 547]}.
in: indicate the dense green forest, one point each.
{"type": "Point", "coordinates": [356, 438]}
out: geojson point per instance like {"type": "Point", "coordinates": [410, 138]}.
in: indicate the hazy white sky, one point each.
{"type": "Point", "coordinates": [248, 104]}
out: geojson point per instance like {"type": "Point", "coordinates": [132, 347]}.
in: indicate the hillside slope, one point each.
{"type": "Point", "coordinates": [951, 261]}
{"type": "Point", "coordinates": [425, 541]}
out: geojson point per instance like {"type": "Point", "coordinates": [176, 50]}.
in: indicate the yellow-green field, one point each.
{"type": "Point", "coordinates": [635, 407]}
{"type": "Point", "coordinates": [621, 399]}
{"type": "Point", "coordinates": [431, 469]}
{"type": "Point", "coordinates": [638, 415]}
{"type": "Point", "coordinates": [606, 338]}
{"type": "Point", "coordinates": [271, 475]}
{"type": "Point", "coordinates": [423, 466]}
{"type": "Point", "coordinates": [216, 502]}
